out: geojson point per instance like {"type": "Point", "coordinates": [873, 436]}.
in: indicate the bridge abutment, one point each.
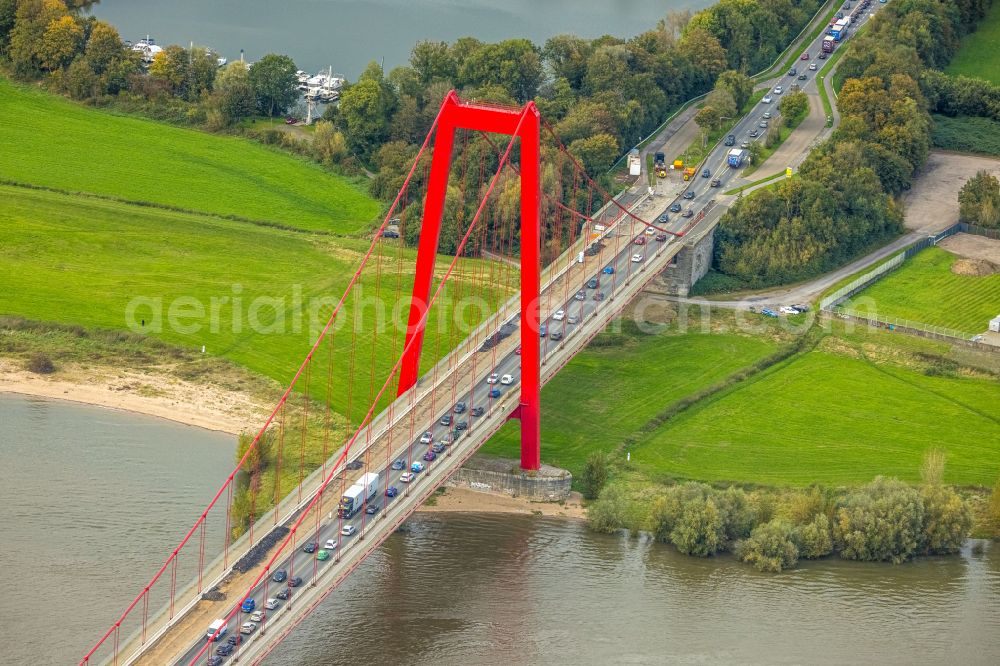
{"type": "Point", "coordinates": [504, 475]}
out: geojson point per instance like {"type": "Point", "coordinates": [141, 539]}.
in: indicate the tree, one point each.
{"type": "Point", "coordinates": [62, 41]}
{"type": "Point", "coordinates": [706, 53]}
{"type": "Point", "coordinates": [514, 64]}
{"type": "Point", "coordinates": [722, 101]}
{"type": "Point", "coordinates": [8, 15]}
{"type": "Point", "coordinates": [708, 118]}
{"type": "Point", "coordinates": [433, 61]}
{"type": "Point", "coordinates": [595, 474]}
{"type": "Point", "coordinates": [738, 84]}
{"type": "Point", "coordinates": [32, 19]}
{"type": "Point", "coordinates": [234, 96]}
{"type": "Point", "coordinates": [274, 83]}
{"type": "Point", "coordinates": [947, 518]}
{"type": "Point", "coordinates": [700, 528]}
{"type": "Point", "coordinates": [79, 80]}
{"type": "Point", "coordinates": [329, 146]}
{"type": "Point", "coordinates": [567, 55]}
{"type": "Point", "coordinates": [814, 538]}
{"type": "Point", "coordinates": [793, 107]}
{"type": "Point", "coordinates": [770, 547]}
{"type": "Point", "coordinates": [104, 47]}
{"type": "Point", "coordinates": [979, 200]}
{"type": "Point", "coordinates": [597, 153]}
{"type": "Point", "coordinates": [364, 116]}
{"type": "Point", "coordinates": [882, 521]}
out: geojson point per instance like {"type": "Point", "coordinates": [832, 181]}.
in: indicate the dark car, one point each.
{"type": "Point", "coordinates": [214, 660]}
{"type": "Point", "coordinates": [663, 218]}
{"type": "Point", "coordinates": [753, 132]}
{"type": "Point", "coordinates": [556, 337]}
{"type": "Point", "coordinates": [234, 639]}
{"type": "Point", "coordinates": [291, 120]}
{"type": "Point", "coordinates": [599, 296]}
{"type": "Point", "coordinates": [391, 491]}
{"type": "Point", "coordinates": [459, 407]}
{"type": "Point", "coordinates": [715, 182]}
{"type": "Point", "coordinates": [687, 213]}
{"type": "Point", "coordinates": [792, 72]}
{"type": "Point", "coordinates": [464, 425]}
{"type": "Point", "coordinates": [822, 55]}
{"type": "Point", "coordinates": [294, 582]}
{"type": "Point", "coordinates": [476, 411]}
{"type": "Point", "coordinates": [495, 393]}
{"type": "Point", "coordinates": [355, 464]}
{"type": "Point", "coordinates": [430, 456]}
{"type": "Point", "coordinates": [279, 576]}
{"type": "Point", "coordinates": [639, 240]}
{"type": "Point", "coordinates": [802, 77]}
{"type": "Point", "coordinates": [437, 447]}
{"type": "Point", "coordinates": [310, 547]}
{"type": "Point", "coordinates": [804, 56]}
{"type": "Point", "coordinates": [284, 595]}
{"type": "Point", "coordinates": [731, 140]}
{"type": "Point", "coordinates": [224, 650]}
{"type": "Point", "coordinates": [580, 295]}
{"type": "Point", "coordinates": [445, 420]}
{"type": "Point", "coordinates": [372, 509]}
{"type": "Point", "coordinates": [396, 465]}
{"type": "Point", "coordinates": [675, 207]}
{"type": "Point", "coordinates": [689, 194]}
{"type": "Point", "coordinates": [706, 173]}
{"type": "Point", "coordinates": [661, 238]}
{"type": "Point", "coordinates": [389, 233]}
{"type": "Point", "coordinates": [592, 283]}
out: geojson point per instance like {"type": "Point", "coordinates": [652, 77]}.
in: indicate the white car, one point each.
{"type": "Point", "coordinates": [257, 616]}
{"type": "Point", "coordinates": [636, 258]}
{"type": "Point", "coordinates": [492, 379]}
{"type": "Point", "coordinates": [812, 66]}
{"type": "Point", "coordinates": [271, 604]}
{"type": "Point", "coordinates": [650, 231]}
{"type": "Point", "coordinates": [248, 628]}
{"type": "Point", "coordinates": [507, 380]}
{"type": "Point", "coordinates": [331, 544]}
{"type": "Point", "coordinates": [777, 90]}
{"type": "Point", "coordinates": [406, 477]}
{"type": "Point", "coordinates": [559, 315]}
{"type": "Point", "coordinates": [767, 99]}
{"type": "Point", "coordinates": [573, 319]}
{"type": "Point", "coordinates": [788, 310]}
{"type": "Point", "coordinates": [348, 530]}
{"type": "Point", "coordinates": [427, 437]}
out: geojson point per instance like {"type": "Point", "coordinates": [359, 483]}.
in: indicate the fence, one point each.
{"type": "Point", "coordinates": [913, 328]}
{"type": "Point", "coordinates": [980, 231]}
{"type": "Point", "coordinates": [863, 282]}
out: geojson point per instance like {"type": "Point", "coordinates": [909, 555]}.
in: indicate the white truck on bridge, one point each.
{"type": "Point", "coordinates": [362, 491]}
{"type": "Point", "coordinates": [219, 626]}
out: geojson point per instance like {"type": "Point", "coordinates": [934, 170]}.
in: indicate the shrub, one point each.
{"type": "Point", "coordinates": [882, 521]}
{"type": "Point", "coordinates": [993, 508]}
{"type": "Point", "coordinates": [738, 515]}
{"type": "Point", "coordinates": [700, 528]}
{"type": "Point", "coordinates": [814, 538]}
{"type": "Point", "coordinates": [41, 364]}
{"type": "Point", "coordinates": [947, 520]}
{"type": "Point", "coordinates": [595, 474]}
{"type": "Point", "coordinates": [607, 513]}
{"type": "Point", "coordinates": [770, 547]}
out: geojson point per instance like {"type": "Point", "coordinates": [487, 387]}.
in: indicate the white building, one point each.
{"type": "Point", "coordinates": [995, 324]}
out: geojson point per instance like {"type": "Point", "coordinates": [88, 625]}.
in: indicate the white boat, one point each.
{"type": "Point", "coordinates": [328, 95]}
{"type": "Point", "coordinates": [313, 93]}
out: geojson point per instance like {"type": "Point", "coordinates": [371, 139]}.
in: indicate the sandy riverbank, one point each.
{"type": "Point", "coordinates": [463, 500]}
{"type": "Point", "coordinates": [165, 397]}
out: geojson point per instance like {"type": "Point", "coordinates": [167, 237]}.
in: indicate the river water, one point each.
{"type": "Point", "coordinates": [453, 588]}
{"type": "Point", "coordinates": [348, 34]}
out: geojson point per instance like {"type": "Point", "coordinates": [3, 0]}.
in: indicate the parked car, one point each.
{"type": "Point", "coordinates": [636, 258]}
{"type": "Point", "coordinates": [787, 309]}
{"type": "Point", "coordinates": [768, 312]}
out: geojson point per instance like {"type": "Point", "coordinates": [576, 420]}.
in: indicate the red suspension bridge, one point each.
{"type": "Point", "coordinates": [522, 259]}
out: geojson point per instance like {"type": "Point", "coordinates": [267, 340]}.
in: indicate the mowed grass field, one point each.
{"type": "Point", "coordinates": [979, 55]}
{"type": "Point", "coordinates": [52, 142]}
{"type": "Point", "coordinates": [606, 394]}
{"type": "Point", "coordinates": [925, 290]}
{"type": "Point", "coordinates": [833, 418]}
{"type": "Point", "coordinates": [78, 260]}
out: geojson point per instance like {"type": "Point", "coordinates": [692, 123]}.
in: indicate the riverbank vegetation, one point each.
{"type": "Point", "coordinates": [885, 520]}
{"type": "Point", "coordinates": [979, 201]}
{"type": "Point", "coordinates": [844, 199]}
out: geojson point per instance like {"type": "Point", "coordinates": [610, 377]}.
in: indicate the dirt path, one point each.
{"type": "Point", "coordinates": [798, 144]}
{"type": "Point", "coordinates": [969, 246]}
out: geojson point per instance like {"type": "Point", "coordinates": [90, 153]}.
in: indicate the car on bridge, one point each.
{"type": "Point", "coordinates": [464, 425]}
{"type": "Point", "coordinates": [580, 295]}
{"type": "Point", "coordinates": [214, 660]}
{"type": "Point", "coordinates": [323, 555]}
{"type": "Point", "coordinates": [348, 530]}
{"type": "Point", "coordinates": [636, 258]}
{"type": "Point", "coordinates": [518, 350]}
{"type": "Point", "coordinates": [543, 330]}
{"type": "Point", "coordinates": [478, 411]}
{"type": "Point", "coordinates": [407, 477]}
{"type": "Point", "coordinates": [224, 650]}
{"type": "Point", "coordinates": [599, 296]}
{"type": "Point", "coordinates": [248, 605]}
{"type": "Point", "coordinates": [556, 337]}
{"type": "Point", "coordinates": [355, 464]}
{"type": "Point", "coordinates": [372, 508]}
{"type": "Point", "coordinates": [493, 378]}
{"type": "Point", "coordinates": [295, 581]}
{"type": "Point", "coordinates": [430, 456]}
{"type": "Point", "coordinates": [650, 231]}
{"type": "Point", "coordinates": [234, 639]}
{"type": "Point", "coordinates": [675, 207]}
{"type": "Point", "coordinates": [391, 491]}
{"type": "Point", "coordinates": [445, 420]}
{"type": "Point", "coordinates": [445, 441]}
{"type": "Point", "coordinates": [663, 218]}
{"type": "Point", "coordinates": [279, 576]}
{"type": "Point", "coordinates": [592, 283]}
{"type": "Point", "coordinates": [688, 213]}
{"type": "Point", "coordinates": [331, 544]}
{"type": "Point", "coordinates": [507, 380]}
{"type": "Point", "coordinates": [257, 616]}
{"type": "Point", "coordinates": [248, 628]}
{"type": "Point", "coordinates": [285, 594]}
{"type": "Point", "coordinates": [427, 437]}
{"type": "Point", "coordinates": [573, 319]}
{"type": "Point", "coordinates": [271, 604]}
{"type": "Point", "coordinates": [397, 465]}
{"type": "Point", "coordinates": [609, 270]}
{"type": "Point", "coordinates": [495, 393]}
{"type": "Point", "coordinates": [662, 238]}
{"type": "Point", "coordinates": [559, 315]}
{"type": "Point", "coordinates": [459, 408]}
{"type": "Point", "coordinates": [417, 467]}
{"type": "Point", "coordinates": [639, 240]}
{"type": "Point", "coordinates": [689, 194]}
{"type": "Point", "coordinates": [310, 547]}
